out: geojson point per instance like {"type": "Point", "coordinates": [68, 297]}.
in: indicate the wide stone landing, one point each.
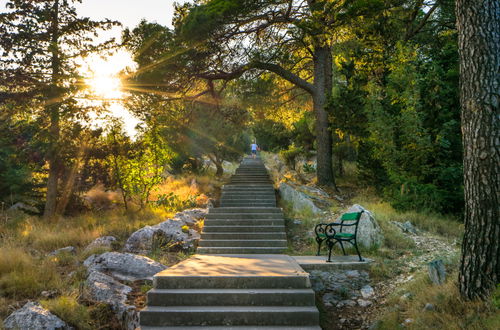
{"type": "Point", "coordinates": [310, 263]}
{"type": "Point", "coordinates": [232, 292]}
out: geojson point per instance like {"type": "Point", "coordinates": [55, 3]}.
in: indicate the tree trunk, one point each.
{"type": "Point", "coordinates": [478, 25]}
{"type": "Point", "coordinates": [53, 113]}
{"type": "Point", "coordinates": [323, 87]}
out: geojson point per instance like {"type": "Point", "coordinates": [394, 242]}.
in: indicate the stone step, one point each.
{"type": "Point", "coordinates": [244, 216]}
{"type": "Point", "coordinates": [229, 315]}
{"type": "Point", "coordinates": [248, 186]}
{"type": "Point", "coordinates": [244, 222]}
{"type": "Point", "coordinates": [231, 282]}
{"type": "Point", "coordinates": [255, 235]}
{"type": "Point", "coordinates": [241, 250]}
{"type": "Point", "coordinates": [248, 198]}
{"type": "Point", "coordinates": [241, 203]}
{"type": "Point", "coordinates": [242, 229]}
{"type": "Point", "coordinates": [242, 243]}
{"type": "Point", "coordinates": [235, 297]}
{"type": "Point", "coordinates": [244, 193]}
{"type": "Point", "coordinates": [246, 210]}
{"type": "Point", "coordinates": [234, 328]}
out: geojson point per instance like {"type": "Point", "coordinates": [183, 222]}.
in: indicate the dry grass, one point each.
{"type": "Point", "coordinates": [450, 310]}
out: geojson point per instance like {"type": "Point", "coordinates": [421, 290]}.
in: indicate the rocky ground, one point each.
{"type": "Point", "coordinates": [353, 300]}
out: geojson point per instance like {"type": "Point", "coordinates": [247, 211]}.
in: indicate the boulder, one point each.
{"type": "Point", "coordinates": [299, 200]}
{"type": "Point", "coordinates": [124, 266]}
{"type": "Point", "coordinates": [104, 288]}
{"type": "Point", "coordinates": [104, 241]}
{"type": "Point", "coordinates": [67, 249]}
{"type": "Point", "coordinates": [369, 232]}
{"type": "Point", "coordinates": [32, 316]}
{"type": "Point", "coordinates": [169, 232]}
{"type": "Point", "coordinates": [20, 206]}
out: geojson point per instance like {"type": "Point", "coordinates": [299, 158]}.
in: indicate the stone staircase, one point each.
{"type": "Point", "coordinates": [239, 280]}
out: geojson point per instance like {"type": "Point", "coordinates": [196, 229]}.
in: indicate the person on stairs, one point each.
{"type": "Point", "coordinates": [254, 148]}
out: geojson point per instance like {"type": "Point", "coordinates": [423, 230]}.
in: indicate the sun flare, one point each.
{"type": "Point", "coordinates": [106, 86]}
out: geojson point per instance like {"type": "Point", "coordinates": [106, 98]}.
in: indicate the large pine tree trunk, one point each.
{"type": "Point", "coordinates": [478, 24]}
{"type": "Point", "coordinates": [323, 87]}
{"type": "Point", "coordinates": [53, 113]}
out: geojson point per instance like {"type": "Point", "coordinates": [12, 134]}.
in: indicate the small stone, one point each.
{"type": "Point", "coordinates": [367, 291]}
{"type": "Point", "coordinates": [342, 321]}
{"type": "Point", "coordinates": [407, 322]}
{"type": "Point", "coordinates": [429, 307]}
{"type": "Point", "coordinates": [104, 241]}
{"type": "Point", "coordinates": [67, 249]}
{"type": "Point", "coordinates": [48, 294]}
{"type": "Point", "coordinates": [343, 303]}
{"type": "Point", "coordinates": [406, 296]}
{"type": "Point", "coordinates": [364, 303]}
{"type": "Point", "coordinates": [352, 273]}
{"type": "Point", "coordinates": [437, 272]}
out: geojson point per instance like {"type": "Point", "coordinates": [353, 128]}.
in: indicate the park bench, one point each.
{"type": "Point", "coordinates": [328, 232]}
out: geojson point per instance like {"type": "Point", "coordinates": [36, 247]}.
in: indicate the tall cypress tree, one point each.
{"type": "Point", "coordinates": [40, 41]}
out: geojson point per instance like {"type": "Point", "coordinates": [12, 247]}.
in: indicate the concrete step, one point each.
{"type": "Point", "coordinates": [245, 204]}
{"type": "Point", "coordinates": [231, 282]}
{"type": "Point", "coordinates": [265, 327]}
{"type": "Point", "coordinates": [230, 235]}
{"type": "Point", "coordinates": [246, 198]}
{"type": "Point", "coordinates": [244, 216]}
{"type": "Point", "coordinates": [245, 222]}
{"type": "Point", "coordinates": [229, 315]}
{"type": "Point", "coordinates": [246, 210]}
{"type": "Point", "coordinates": [242, 229]}
{"type": "Point", "coordinates": [242, 243]}
{"type": "Point", "coordinates": [240, 250]}
{"type": "Point", "coordinates": [227, 297]}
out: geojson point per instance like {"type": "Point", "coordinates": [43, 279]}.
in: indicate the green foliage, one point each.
{"type": "Point", "coordinates": [291, 154]}
{"type": "Point", "coordinates": [173, 202]}
{"type": "Point", "coordinates": [271, 135]}
{"type": "Point", "coordinates": [138, 166]}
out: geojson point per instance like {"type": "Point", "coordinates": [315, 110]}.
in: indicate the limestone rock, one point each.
{"type": "Point", "coordinates": [168, 232]}
{"type": "Point", "coordinates": [20, 206]}
{"type": "Point", "coordinates": [299, 200]}
{"type": "Point", "coordinates": [32, 316]}
{"type": "Point", "coordinates": [104, 288]}
{"type": "Point", "coordinates": [124, 266]}
{"type": "Point", "coordinates": [369, 232]}
{"type": "Point", "coordinates": [406, 227]}
{"type": "Point", "coordinates": [67, 249]}
{"type": "Point", "coordinates": [437, 272]}
{"type": "Point", "coordinates": [104, 241]}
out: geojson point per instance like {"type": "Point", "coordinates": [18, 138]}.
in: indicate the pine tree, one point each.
{"type": "Point", "coordinates": [40, 41]}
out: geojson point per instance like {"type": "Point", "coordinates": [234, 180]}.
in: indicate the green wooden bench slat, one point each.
{"type": "Point", "coordinates": [350, 216]}
{"type": "Point", "coordinates": [344, 235]}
